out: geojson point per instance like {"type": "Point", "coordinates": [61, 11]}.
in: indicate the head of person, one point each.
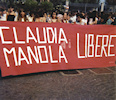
{"type": "Point", "coordinates": [22, 14]}
{"type": "Point", "coordinates": [4, 11]}
{"type": "Point", "coordinates": [11, 9]}
{"type": "Point", "coordinates": [48, 15]}
{"type": "Point", "coordinates": [32, 15]}
{"type": "Point", "coordinates": [59, 20]}
{"type": "Point", "coordinates": [79, 18]}
{"type": "Point", "coordinates": [45, 15]}
{"type": "Point", "coordinates": [68, 17]}
{"type": "Point", "coordinates": [83, 14]}
{"type": "Point", "coordinates": [102, 19]}
{"type": "Point", "coordinates": [54, 15]}
{"type": "Point", "coordinates": [65, 16]}
{"type": "Point", "coordinates": [109, 16]}
{"type": "Point", "coordinates": [72, 13]}
{"type": "Point", "coordinates": [37, 15]}
{"type": "Point", "coordinates": [60, 17]}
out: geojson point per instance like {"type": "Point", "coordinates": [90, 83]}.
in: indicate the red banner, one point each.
{"type": "Point", "coordinates": [39, 47]}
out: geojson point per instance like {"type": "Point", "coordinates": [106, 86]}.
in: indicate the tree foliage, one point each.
{"type": "Point", "coordinates": [30, 5]}
{"type": "Point", "coordinates": [46, 6]}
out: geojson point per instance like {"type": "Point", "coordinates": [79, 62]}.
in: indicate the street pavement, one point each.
{"type": "Point", "coordinates": [86, 84]}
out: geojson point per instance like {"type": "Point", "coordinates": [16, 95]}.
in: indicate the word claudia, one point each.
{"type": "Point", "coordinates": [21, 56]}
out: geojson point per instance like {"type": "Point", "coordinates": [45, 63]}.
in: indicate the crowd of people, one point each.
{"type": "Point", "coordinates": [90, 18]}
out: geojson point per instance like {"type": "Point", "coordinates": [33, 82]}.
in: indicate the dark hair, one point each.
{"type": "Point", "coordinates": [82, 16]}
{"type": "Point", "coordinates": [37, 15]}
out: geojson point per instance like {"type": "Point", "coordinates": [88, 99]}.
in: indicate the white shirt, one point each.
{"type": "Point", "coordinates": [83, 21]}
{"type": "Point", "coordinates": [22, 20]}
{"type": "Point", "coordinates": [90, 21]}
{"type": "Point", "coordinates": [73, 18]}
{"type": "Point", "coordinates": [3, 18]}
{"type": "Point", "coordinates": [16, 17]}
{"type": "Point", "coordinates": [30, 19]}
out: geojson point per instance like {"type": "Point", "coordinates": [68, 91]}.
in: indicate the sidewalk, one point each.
{"type": "Point", "coordinates": [87, 84]}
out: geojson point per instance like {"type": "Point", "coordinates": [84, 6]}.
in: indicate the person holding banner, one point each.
{"type": "Point", "coordinates": [3, 15]}
{"type": "Point", "coordinates": [110, 20]}
{"type": "Point", "coordinates": [37, 18]}
{"type": "Point", "coordinates": [54, 17]}
{"type": "Point", "coordinates": [22, 17]}
{"type": "Point", "coordinates": [65, 18]}
{"type": "Point", "coordinates": [59, 18]}
{"type": "Point", "coordinates": [11, 14]}
{"type": "Point", "coordinates": [43, 18]}
{"type": "Point", "coordinates": [31, 17]}
{"type": "Point", "coordinates": [48, 18]}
